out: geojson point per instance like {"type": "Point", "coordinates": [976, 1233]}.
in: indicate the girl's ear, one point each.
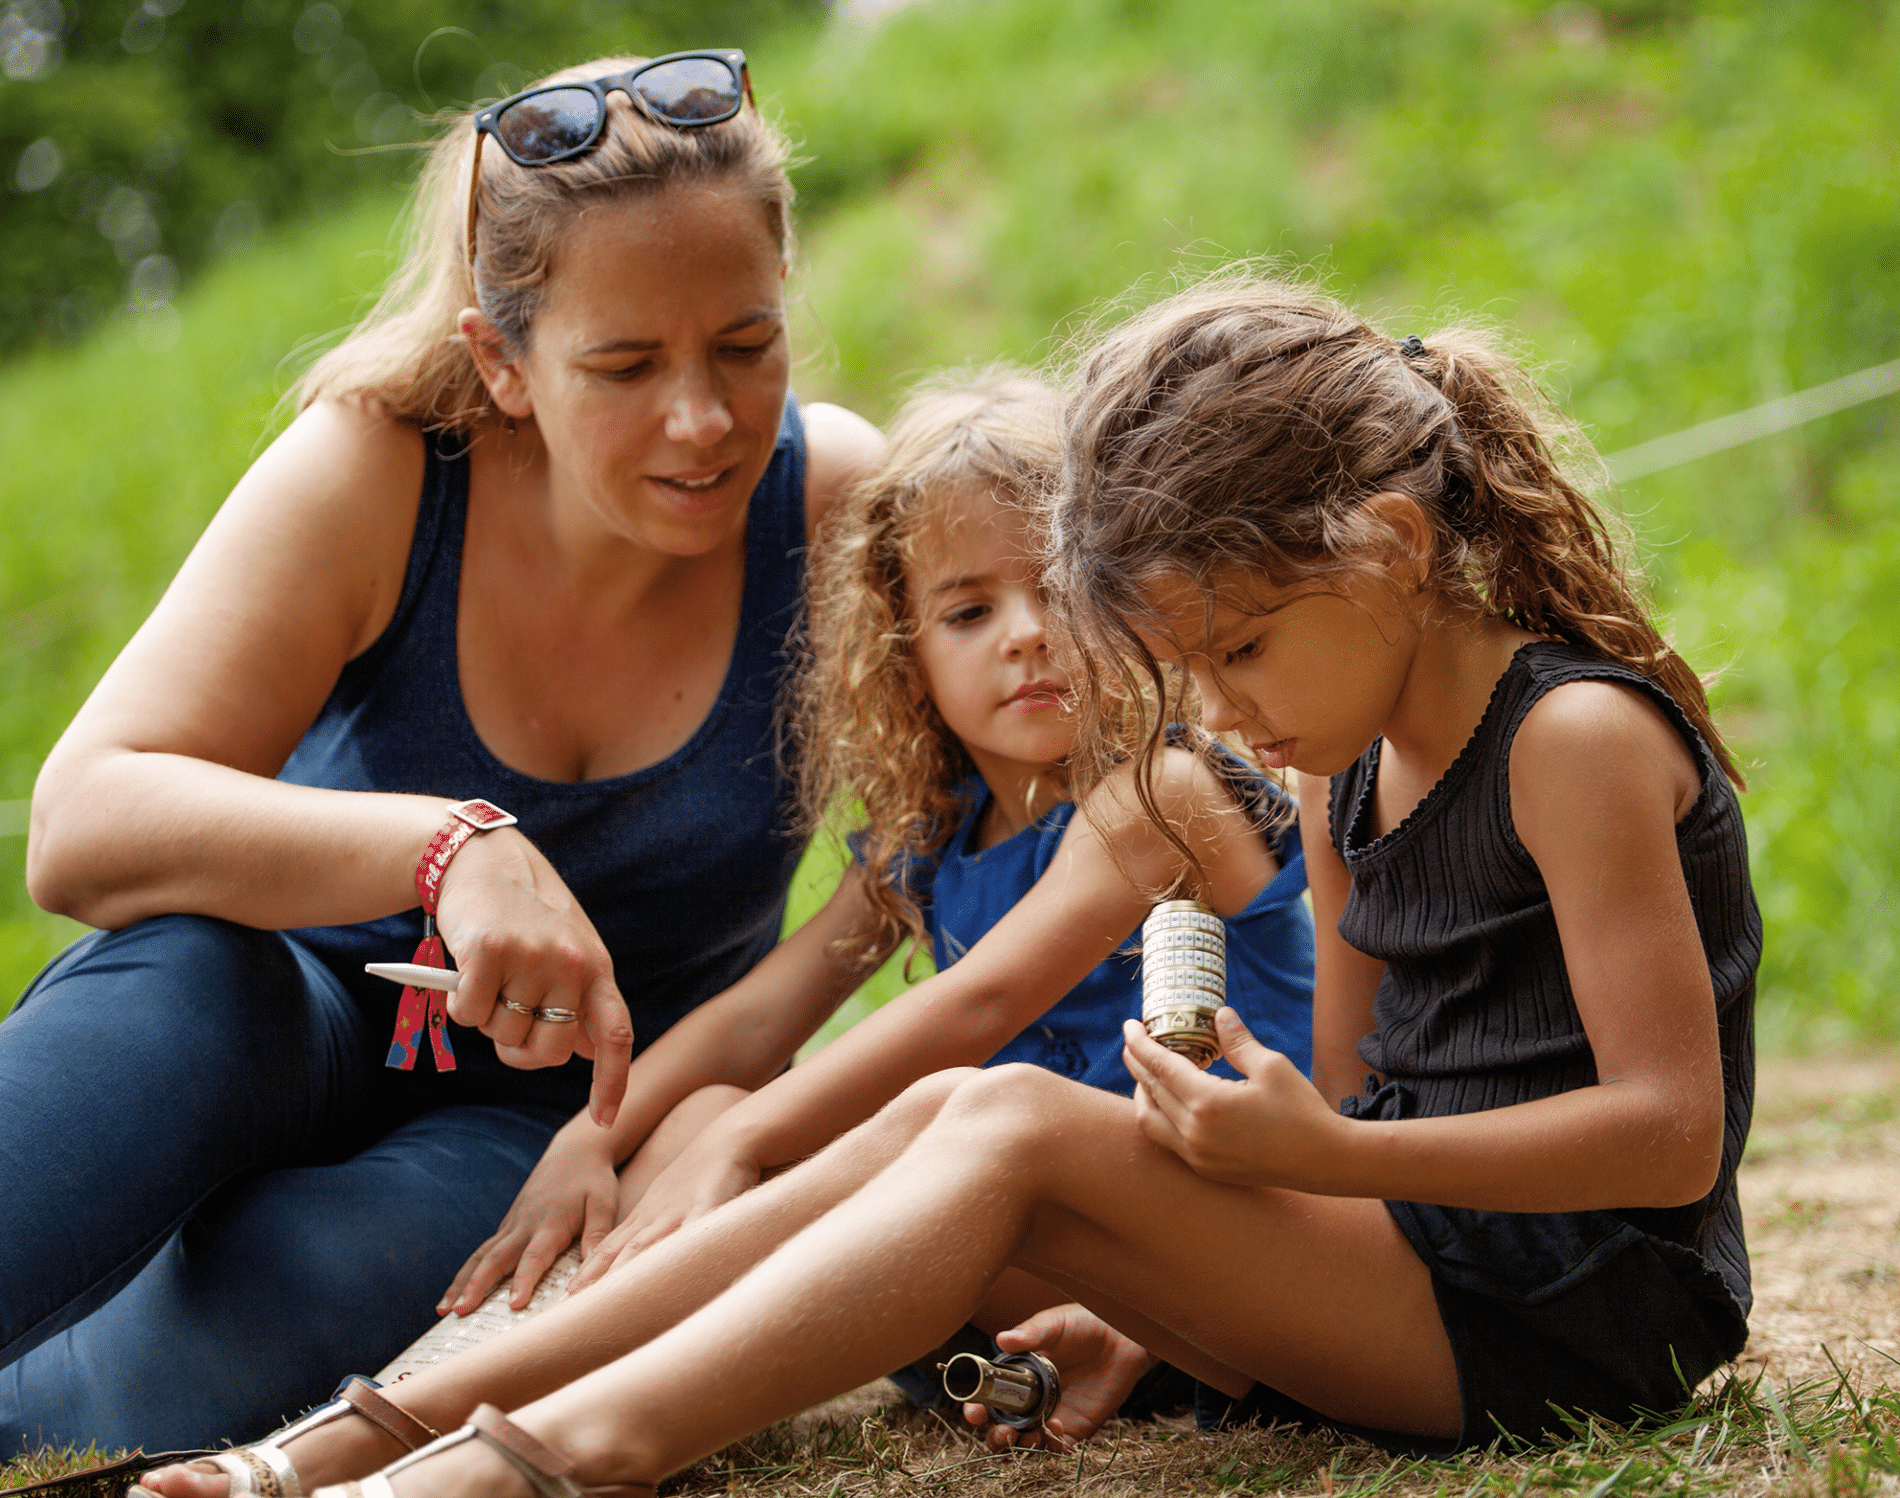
{"type": "Point", "coordinates": [1407, 519]}
{"type": "Point", "coordinates": [499, 373]}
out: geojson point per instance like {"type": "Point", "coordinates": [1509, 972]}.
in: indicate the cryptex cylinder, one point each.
{"type": "Point", "coordinates": [1183, 977]}
{"type": "Point", "coordinates": [1020, 1389]}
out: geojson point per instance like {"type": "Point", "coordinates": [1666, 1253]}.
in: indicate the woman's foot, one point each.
{"type": "Point", "coordinates": [1098, 1366]}
{"type": "Point", "coordinates": [490, 1457]}
{"type": "Point", "coordinates": [360, 1431]}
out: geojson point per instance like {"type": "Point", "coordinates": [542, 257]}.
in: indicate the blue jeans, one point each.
{"type": "Point", "coordinates": [215, 1200]}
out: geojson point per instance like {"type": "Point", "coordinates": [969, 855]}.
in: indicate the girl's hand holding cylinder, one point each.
{"type": "Point", "coordinates": [1019, 1389]}
{"type": "Point", "coordinates": [1270, 1128]}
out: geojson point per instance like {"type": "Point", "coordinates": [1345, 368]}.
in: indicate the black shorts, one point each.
{"type": "Point", "coordinates": [1631, 1337]}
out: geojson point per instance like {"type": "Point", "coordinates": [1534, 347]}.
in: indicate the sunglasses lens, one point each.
{"type": "Point", "coordinates": [692, 91]}
{"type": "Point", "coordinates": [549, 124]}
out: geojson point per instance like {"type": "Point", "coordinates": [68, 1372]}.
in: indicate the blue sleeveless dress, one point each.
{"type": "Point", "coordinates": [217, 1198]}
{"type": "Point", "coordinates": [1269, 945]}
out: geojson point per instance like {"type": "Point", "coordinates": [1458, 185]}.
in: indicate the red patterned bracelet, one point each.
{"type": "Point", "coordinates": [425, 1009]}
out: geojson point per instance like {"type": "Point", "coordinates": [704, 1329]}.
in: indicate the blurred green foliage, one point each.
{"type": "Point", "coordinates": [1685, 208]}
{"type": "Point", "coordinates": [142, 137]}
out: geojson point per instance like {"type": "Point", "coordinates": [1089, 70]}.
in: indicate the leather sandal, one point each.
{"type": "Point", "coordinates": [547, 1473]}
{"type": "Point", "coordinates": [265, 1469]}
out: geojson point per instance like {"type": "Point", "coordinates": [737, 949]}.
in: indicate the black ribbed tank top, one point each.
{"type": "Point", "coordinates": [1475, 1010]}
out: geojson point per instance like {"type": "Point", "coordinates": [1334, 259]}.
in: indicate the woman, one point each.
{"type": "Point", "coordinates": [533, 538]}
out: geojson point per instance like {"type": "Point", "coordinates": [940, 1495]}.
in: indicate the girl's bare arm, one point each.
{"type": "Point", "coordinates": [743, 1037]}
{"type": "Point", "coordinates": [1074, 917]}
{"type": "Point", "coordinates": [1599, 780]}
{"type": "Point", "coordinates": [1093, 895]}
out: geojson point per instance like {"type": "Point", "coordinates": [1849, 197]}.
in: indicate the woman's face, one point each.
{"type": "Point", "coordinates": [657, 365]}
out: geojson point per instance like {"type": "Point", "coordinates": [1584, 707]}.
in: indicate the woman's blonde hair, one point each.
{"type": "Point", "coordinates": [871, 746]}
{"type": "Point", "coordinates": [1237, 428]}
{"type": "Point", "coordinates": [407, 353]}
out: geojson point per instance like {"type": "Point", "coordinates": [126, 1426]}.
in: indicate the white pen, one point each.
{"type": "Point", "coordinates": [415, 975]}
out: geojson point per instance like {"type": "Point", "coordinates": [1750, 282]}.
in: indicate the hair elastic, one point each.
{"type": "Point", "coordinates": [1411, 346]}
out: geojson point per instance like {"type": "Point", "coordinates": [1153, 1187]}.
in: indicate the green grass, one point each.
{"type": "Point", "coordinates": [1743, 1436]}
{"type": "Point", "coordinates": [1822, 1438]}
{"type": "Point", "coordinates": [1685, 209]}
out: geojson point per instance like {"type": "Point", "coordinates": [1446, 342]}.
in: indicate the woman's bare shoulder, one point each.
{"type": "Point", "coordinates": [841, 447]}
{"type": "Point", "coordinates": [345, 451]}
{"type": "Point", "coordinates": [331, 503]}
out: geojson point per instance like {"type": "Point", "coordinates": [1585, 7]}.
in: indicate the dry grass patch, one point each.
{"type": "Point", "coordinates": [1811, 1411]}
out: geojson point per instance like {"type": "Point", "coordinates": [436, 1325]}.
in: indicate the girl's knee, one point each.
{"type": "Point", "coordinates": [1007, 1110]}
{"type": "Point", "coordinates": [924, 1099]}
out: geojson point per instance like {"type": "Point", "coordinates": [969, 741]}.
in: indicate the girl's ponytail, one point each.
{"type": "Point", "coordinates": [1250, 418]}
{"type": "Point", "coordinates": [1538, 551]}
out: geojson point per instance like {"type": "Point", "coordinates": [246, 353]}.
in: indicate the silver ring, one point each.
{"type": "Point", "coordinates": [527, 1009]}
{"type": "Point", "coordinates": [549, 1015]}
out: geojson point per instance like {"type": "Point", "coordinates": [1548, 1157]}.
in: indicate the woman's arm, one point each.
{"type": "Point", "coordinates": [742, 1037]}
{"type": "Point", "coordinates": [1598, 782]}
{"type": "Point", "coordinates": [159, 798]}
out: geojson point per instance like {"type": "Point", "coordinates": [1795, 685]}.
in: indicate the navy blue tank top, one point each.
{"type": "Point", "coordinates": [682, 866]}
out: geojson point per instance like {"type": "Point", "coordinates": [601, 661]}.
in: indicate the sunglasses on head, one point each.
{"type": "Point", "coordinates": [559, 121]}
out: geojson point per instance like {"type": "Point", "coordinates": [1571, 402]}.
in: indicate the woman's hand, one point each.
{"type": "Point", "coordinates": [1271, 1129]}
{"type": "Point", "coordinates": [517, 933]}
{"type": "Point", "coordinates": [571, 1193]}
{"type": "Point", "coordinates": [1099, 1366]}
{"type": "Point", "coordinates": [708, 1173]}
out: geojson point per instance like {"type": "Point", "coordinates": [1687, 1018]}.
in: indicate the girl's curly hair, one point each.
{"type": "Point", "coordinates": [871, 747]}
{"type": "Point", "coordinates": [1239, 425]}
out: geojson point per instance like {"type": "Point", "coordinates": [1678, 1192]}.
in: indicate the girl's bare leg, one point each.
{"type": "Point", "coordinates": [1322, 1297]}
{"type": "Point", "coordinates": [623, 1311]}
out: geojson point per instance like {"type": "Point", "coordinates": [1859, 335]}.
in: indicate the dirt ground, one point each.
{"type": "Point", "coordinates": [1821, 1193]}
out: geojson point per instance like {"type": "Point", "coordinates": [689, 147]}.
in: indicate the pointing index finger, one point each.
{"type": "Point", "coordinates": [610, 1033]}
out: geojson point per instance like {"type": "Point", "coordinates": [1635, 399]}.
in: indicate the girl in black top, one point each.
{"type": "Point", "coordinates": [1361, 557]}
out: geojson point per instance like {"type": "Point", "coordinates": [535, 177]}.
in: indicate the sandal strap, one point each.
{"type": "Point", "coordinates": [395, 1422]}
{"type": "Point", "coordinates": [546, 1472]}
{"type": "Point", "coordinates": [550, 1473]}
{"type": "Point", "coordinates": [263, 1469]}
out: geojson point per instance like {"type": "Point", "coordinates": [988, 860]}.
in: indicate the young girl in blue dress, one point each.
{"type": "Point", "coordinates": [1537, 947]}
{"type": "Point", "coordinates": [935, 716]}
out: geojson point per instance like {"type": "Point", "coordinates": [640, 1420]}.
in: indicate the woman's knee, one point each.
{"type": "Point", "coordinates": [169, 1005]}
{"type": "Point", "coordinates": [170, 961]}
